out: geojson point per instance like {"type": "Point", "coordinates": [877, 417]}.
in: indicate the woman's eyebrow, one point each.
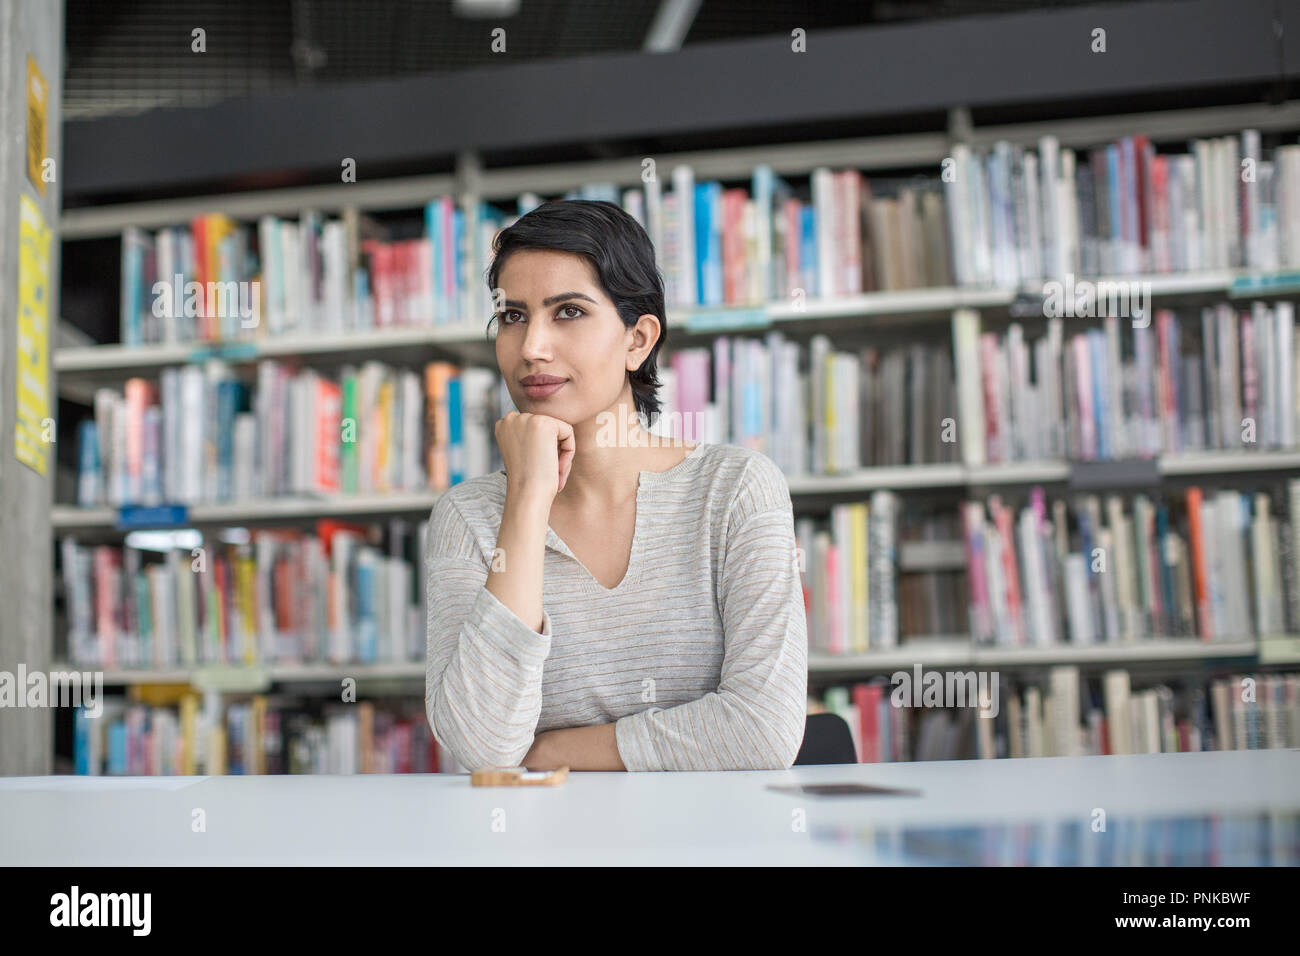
{"type": "Point", "coordinates": [552, 300]}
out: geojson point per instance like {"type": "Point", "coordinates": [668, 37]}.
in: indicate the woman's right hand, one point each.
{"type": "Point", "coordinates": [537, 451]}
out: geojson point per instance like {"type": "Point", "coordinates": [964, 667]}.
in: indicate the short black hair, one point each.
{"type": "Point", "coordinates": [624, 260]}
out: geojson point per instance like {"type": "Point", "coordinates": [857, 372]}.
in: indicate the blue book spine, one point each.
{"type": "Point", "coordinates": [227, 397]}
{"type": "Point", "coordinates": [117, 764]}
{"type": "Point", "coordinates": [132, 279]}
{"type": "Point", "coordinates": [360, 293]}
{"type": "Point", "coordinates": [761, 189]}
{"type": "Point", "coordinates": [808, 251]}
{"type": "Point", "coordinates": [1113, 188]}
{"type": "Point", "coordinates": [366, 612]}
{"type": "Point", "coordinates": [455, 442]}
{"type": "Point", "coordinates": [89, 479]}
{"type": "Point", "coordinates": [703, 226]}
{"type": "Point", "coordinates": [1100, 395]}
{"type": "Point", "coordinates": [457, 293]}
{"type": "Point", "coordinates": [81, 742]}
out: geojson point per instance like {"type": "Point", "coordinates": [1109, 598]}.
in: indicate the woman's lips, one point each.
{"type": "Point", "coordinates": [542, 391]}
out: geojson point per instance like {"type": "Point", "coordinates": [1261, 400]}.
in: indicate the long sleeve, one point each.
{"type": "Point", "coordinates": [755, 720]}
{"type": "Point", "coordinates": [483, 672]}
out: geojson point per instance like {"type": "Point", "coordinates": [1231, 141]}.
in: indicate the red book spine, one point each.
{"type": "Point", "coordinates": [1160, 213]}
{"type": "Point", "coordinates": [1144, 153]}
{"type": "Point", "coordinates": [329, 406]}
{"type": "Point", "coordinates": [867, 697]}
{"type": "Point", "coordinates": [733, 242]}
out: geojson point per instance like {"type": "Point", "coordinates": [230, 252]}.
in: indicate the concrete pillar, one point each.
{"type": "Point", "coordinates": [28, 28]}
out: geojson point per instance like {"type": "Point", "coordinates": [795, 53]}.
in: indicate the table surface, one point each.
{"type": "Point", "coordinates": [1232, 807]}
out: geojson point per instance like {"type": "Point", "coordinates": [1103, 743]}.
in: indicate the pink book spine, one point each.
{"type": "Point", "coordinates": [989, 376]}
{"type": "Point", "coordinates": [833, 599]}
{"type": "Point", "coordinates": [1002, 520]}
{"type": "Point", "coordinates": [449, 259]}
{"type": "Point", "coordinates": [105, 591]}
{"type": "Point", "coordinates": [851, 256]}
{"type": "Point", "coordinates": [1164, 385]}
{"type": "Point", "coordinates": [792, 241]}
{"type": "Point", "coordinates": [973, 518]}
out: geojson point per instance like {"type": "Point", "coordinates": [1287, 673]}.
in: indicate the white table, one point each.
{"type": "Point", "coordinates": [643, 818]}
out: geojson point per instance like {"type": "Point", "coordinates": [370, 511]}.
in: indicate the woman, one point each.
{"type": "Point", "coordinates": [609, 600]}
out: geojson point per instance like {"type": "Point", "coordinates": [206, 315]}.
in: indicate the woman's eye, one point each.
{"type": "Point", "coordinates": [575, 309]}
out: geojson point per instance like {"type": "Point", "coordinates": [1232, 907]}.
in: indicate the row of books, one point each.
{"type": "Point", "coordinates": [813, 409]}
{"type": "Point", "coordinates": [849, 576]}
{"type": "Point", "coordinates": [204, 435]}
{"type": "Point", "coordinates": [270, 596]}
{"type": "Point", "coordinates": [1002, 216]}
{"type": "Point", "coordinates": [961, 715]}
{"type": "Point", "coordinates": [715, 246]}
{"type": "Point", "coordinates": [1216, 565]}
{"type": "Point", "coordinates": [1221, 380]}
{"type": "Point", "coordinates": [265, 734]}
{"type": "Point", "coordinates": [1018, 215]}
{"type": "Point", "coordinates": [221, 280]}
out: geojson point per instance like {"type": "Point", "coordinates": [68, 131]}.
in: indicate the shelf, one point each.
{"type": "Point", "coordinates": [1208, 463]}
{"type": "Point", "coordinates": [936, 652]}
{"type": "Point", "coordinates": [231, 677]}
{"type": "Point", "coordinates": [1146, 649]}
{"type": "Point", "coordinates": [79, 370]}
{"type": "Point", "coordinates": [66, 518]}
{"type": "Point", "coordinates": [1284, 649]}
{"type": "Point", "coordinates": [356, 346]}
{"type": "Point", "coordinates": [959, 652]}
{"type": "Point", "coordinates": [69, 518]}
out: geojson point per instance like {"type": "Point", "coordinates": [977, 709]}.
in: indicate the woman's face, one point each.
{"type": "Point", "coordinates": [555, 322]}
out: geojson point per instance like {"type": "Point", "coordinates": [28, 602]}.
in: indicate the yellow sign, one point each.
{"type": "Point", "coordinates": [33, 427]}
{"type": "Point", "coordinates": [37, 96]}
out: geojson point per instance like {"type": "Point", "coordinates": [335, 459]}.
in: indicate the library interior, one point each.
{"type": "Point", "coordinates": [953, 512]}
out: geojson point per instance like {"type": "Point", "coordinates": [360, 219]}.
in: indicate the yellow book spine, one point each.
{"type": "Point", "coordinates": [861, 619]}
{"type": "Point", "coordinates": [248, 606]}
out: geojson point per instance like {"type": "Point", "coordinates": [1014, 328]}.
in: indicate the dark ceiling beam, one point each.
{"type": "Point", "coordinates": [1036, 57]}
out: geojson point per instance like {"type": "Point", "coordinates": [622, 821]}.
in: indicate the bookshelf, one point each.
{"type": "Point", "coordinates": [79, 371]}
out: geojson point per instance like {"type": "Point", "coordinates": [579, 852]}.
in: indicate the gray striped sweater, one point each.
{"type": "Point", "coordinates": [699, 655]}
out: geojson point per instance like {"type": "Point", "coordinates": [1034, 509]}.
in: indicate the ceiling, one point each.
{"type": "Point", "coordinates": [124, 56]}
